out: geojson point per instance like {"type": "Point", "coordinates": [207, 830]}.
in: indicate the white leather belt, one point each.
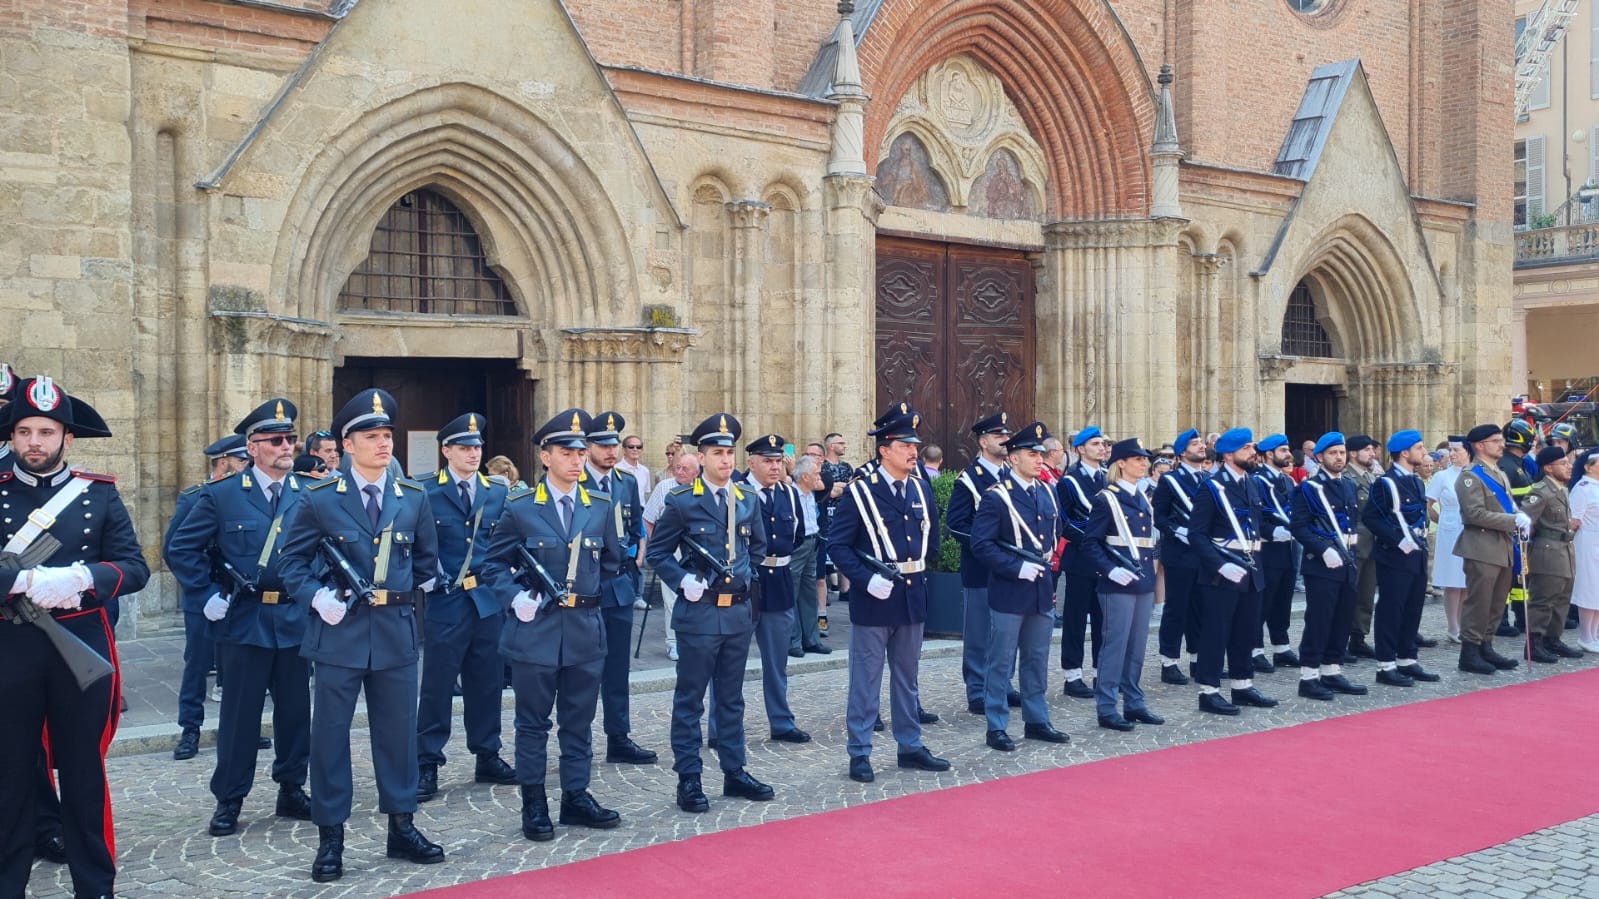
{"type": "Point", "coordinates": [775, 561]}
{"type": "Point", "coordinates": [1140, 542]}
{"type": "Point", "coordinates": [1351, 540]}
{"type": "Point", "coordinates": [1252, 546]}
{"type": "Point", "coordinates": [916, 567]}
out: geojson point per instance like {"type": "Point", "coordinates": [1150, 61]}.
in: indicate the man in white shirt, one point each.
{"type": "Point", "coordinates": [632, 463]}
{"type": "Point", "coordinates": [684, 469]}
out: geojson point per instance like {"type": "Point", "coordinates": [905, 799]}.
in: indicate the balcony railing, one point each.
{"type": "Point", "coordinates": [1547, 246]}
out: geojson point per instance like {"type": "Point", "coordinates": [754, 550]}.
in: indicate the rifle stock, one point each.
{"type": "Point", "coordinates": [87, 666]}
{"type": "Point", "coordinates": [360, 588]}
{"type": "Point", "coordinates": [535, 578]}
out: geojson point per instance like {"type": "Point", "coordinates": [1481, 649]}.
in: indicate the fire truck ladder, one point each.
{"type": "Point", "coordinates": [1544, 29]}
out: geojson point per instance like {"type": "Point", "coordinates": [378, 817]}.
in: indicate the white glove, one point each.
{"type": "Point", "coordinates": [428, 585]}
{"type": "Point", "coordinates": [1122, 576]}
{"type": "Point", "coordinates": [1180, 534]}
{"type": "Point", "coordinates": [525, 606]}
{"type": "Point", "coordinates": [692, 588]}
{"type": "Point", "coordinates": [1331, 558]}
{"type": "Point", "coordinates": [1232, 572]}
{"type": "Point", "coordinates": [216, 608]}
{"type": "Point", "coordinates": [879, 586]}
{"type": "Point", "coordinates": [1523, 523]}
{"type": "Point", "coordinates": [1030, 571]}
{"type": "Point", "coordinates": [53, 588]}
{"type": "Point", "coordinates": [326, 603]}
{"type": "Point", "coordinates": [1280, 534]}
{"type": "Point", "coordinates": [1408, 546]}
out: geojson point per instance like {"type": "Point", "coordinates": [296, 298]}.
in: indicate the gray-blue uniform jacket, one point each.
{"type": "Point", "coordinates": [1316, 496]}
{"type": "Point", "coordinates": [691, 515]}
{"type": "Point", "coordinates": [457, 526]}
{"type": "Point", "coordinates": [627, 520]}
{"type": "Point", "coordinates": [233, 514]}
{"type": "Point", "coordinates": [963, 501]}
{"type": "Point", "coordinates": [1104, 537]}
{"type": "Point", "coordinates": [188, 601]}
{"type": "Point", "coordinates": [1038, 529]}
{"type": "Point", "coordinates": [372, 638]}
{"type": "Point", "coordinates": [911, 527]}
{"type": "Point", "coordinates": [556, 636]}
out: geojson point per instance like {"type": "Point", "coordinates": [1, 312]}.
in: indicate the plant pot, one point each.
{"type": "Point", "coordinates": [946, 601]}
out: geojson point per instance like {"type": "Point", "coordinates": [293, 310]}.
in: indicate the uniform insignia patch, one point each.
{"type": "Point", "coordinates": [44, 395]}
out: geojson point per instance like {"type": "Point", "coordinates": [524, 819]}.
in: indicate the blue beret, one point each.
{"type": "Point", "coordinates": [1234, 439]}
{"type": "Point", "coordinates": [1185, 438]}
{"type": "Point", "coordinates": [1403, 440]}
{"type": "Point", "coordinates": [1328, 441]}
{"type": "Point", "coordinates": [1271, 442]}
{"type": "Point", "coordinates": [1085, 435]}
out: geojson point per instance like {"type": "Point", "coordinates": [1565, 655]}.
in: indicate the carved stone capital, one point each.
{"type": "Point", "coordinates": [625, 344]}
{"type": "Point", "coordinates": [1111, 233]}
{"type": "Point", "coordinates": [749, 213]}
{"type": "Point", "coordinates": [253, 332]}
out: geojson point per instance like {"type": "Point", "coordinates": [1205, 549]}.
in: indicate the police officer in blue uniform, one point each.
{"type": "Point", "coordinates": [621, 585]}
{"type": "Point", "coordinates": [225, 455]}
{"type": "Point", "coordinates": [1017, 525]}
{"type": "Point", "coordinates": [1276, 552]}
{"type": "Point", "coordinates": [1225, 534]}
{"type": "Point", "coordinates": [1396, 515]}
{"type": "Point", "coordinates": [1173, 503]}
{"type": "Point", "coordinates": [98, 559]}
{"type": "Point", "coordinates": [714, 517]}
{"type": "Point", "coordinates": [1080, 607]}
{"type": "Point", "coordinates": [970, 485]}
{"type": "Point", "coordinates": [780, 518]}
{"type": "Point", "coordinates": [379, 523]}
{"type": "Point", "coordinates": [1119, 538]}
{"type": "Point", "coordinates": [883, 529]}
{"type": "Point", "coordinates": [463, 617]}
{"type": "Point", "coordinates": [233, 533]}
{"type": "Point", "coordinates": [556, 643]}
{"type": "Point", "coordinates": [1323, 518]}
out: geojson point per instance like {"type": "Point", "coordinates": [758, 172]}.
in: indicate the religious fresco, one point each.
{"type": "Point", "coordinates": [905, 177]}
{"type": "Point", "coordinates": [1000, 192]}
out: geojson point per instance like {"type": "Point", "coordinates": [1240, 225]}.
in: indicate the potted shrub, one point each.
{"type": "Point", "coordinates": [945, 598]}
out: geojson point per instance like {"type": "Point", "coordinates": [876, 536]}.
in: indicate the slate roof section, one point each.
{"type": "Point", "coordinates": [1307, 134]}
{"type": "Point", "coordinates": [818, 80]}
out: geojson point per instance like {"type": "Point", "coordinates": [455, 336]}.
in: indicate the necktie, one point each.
{"type": "Point", "coordinates": [566, 514]}
{"type": "Point", "coordinates": [721, 500]}
{"type": "Point", "coordinates": [373, 509]}
{"type": "Point", "coordinates": [899, 490]}
{"type": "Point", "coordinates": [466, 494]}
{"type": "Point", "coordinates": [767, 493]}
{"type": "Point", "coordinates": [605, 484]}
{"type": "Point", "coordinates": [1032, 494]}
{"type": "Point", "coordinates": [274, 493]}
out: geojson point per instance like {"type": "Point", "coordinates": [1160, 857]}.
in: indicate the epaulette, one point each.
{"type": "Point", "coordinates": [680, 488]}
{"type": "Point", "coordinates": [407, 482]}
{"type": "Point", "coordinates": [997, 485]}
{"type": "Point", "coordinates": [620, 472]}
{"type": "Point", "coordinates": [94, 476]}
{"type": "Point", "coordinates": [192, 488]}
{"type": "Point", "coordinates": [482, 479]}
{"type": "Point", "coordinates": [325, 482]}
{"type": "Point", "coordinates": [1113, 488]}
{"type": "Point", "coordinates": [520, 494]}
{"type": "Point", "coordinates": [231, 474]}
{"type": "Point", "coordinates": [444, 477]}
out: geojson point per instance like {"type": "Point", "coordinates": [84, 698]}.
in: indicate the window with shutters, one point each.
{"type": "Point", "coordinates": [426, 258]}
{"type": "Point", "coordinates": [1540, 94]}
{"type": "Point", "coordinates": [1529, 181]}
{"type": "Point", "coordinates": [1303, 334]}
{"type": "Point", "coordinates": [1593, 51]}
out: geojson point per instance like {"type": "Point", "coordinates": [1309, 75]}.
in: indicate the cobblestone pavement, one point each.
{"type": "Point", "coordinates": [162, 806]}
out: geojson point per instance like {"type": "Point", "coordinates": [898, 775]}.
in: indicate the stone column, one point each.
{"type": "Point", "coordinates": [745, 389]}
{"type": "Point", "coordinates": [851, 348]}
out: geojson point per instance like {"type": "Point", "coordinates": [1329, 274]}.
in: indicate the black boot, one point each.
{"type": "Point", "coordinates": [293, 802]}
{"type": "Point", "coordinates": [188, 745]}
{"type": "Point", "coordinates": [620, 748]}
{"type": "Point", "coordinates": [1472, 662]}
{"type": "Point", "coordinates": [406, 842]}
{"type": "Point", "coordinates": [536, 824]}
{"type": "Point", "coordinates": [690, 795]}
{"type": "Point", "coordinates": [1495, 659]}
{"type": "Point", "coordinates": [225, 820]}
{"type": "Point", "coordinates": [1561, 648]}
{"type": "Point", "coordinates": [1538, 652]}
{"type": "Point", "coordinates": [427, 782]}
{"type": "Point", "coordinates": [578, 807]}
{"type": "Point", "coordinates": [1359, 648]}
{"type": "Point", "coordinates": [51, 848]}
{"type": "Point", "coordinates": [491, 769]}
{"type": "Point", "coordinates": [329, 864]}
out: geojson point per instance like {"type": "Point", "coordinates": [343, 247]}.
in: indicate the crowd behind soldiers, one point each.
{"type": "Point", "coordinates": [318, 572]}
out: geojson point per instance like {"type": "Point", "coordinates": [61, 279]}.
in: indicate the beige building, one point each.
{"type": "Point", "coordinates": [1556, 213]}
{"type": "Point", "coordinates": [671, 207]}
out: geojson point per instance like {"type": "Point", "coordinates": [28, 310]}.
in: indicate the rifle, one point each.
{"type": "Point", "coordinates": [878, 566]}
{"type": "Point", "coordinates": [87, 666]}
{"type": "Point", "coordinates": [718, 567]}
{"type": "Point", "coordinates": [1242, 561]}
{"type": "Point", "coordinates": [360, 588]}
{"type": "Point", "coordinates": [241, 584]}
{"type": "Point", "coordinates": [1026, 555]}
{"type": "Point", "coordinates": [535, 578]}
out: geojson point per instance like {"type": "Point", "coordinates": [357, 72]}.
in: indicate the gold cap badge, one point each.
{"type": "Point", "coordinates": [721, 424]}
{"type": "Point", "coordinates": [1004, 418]}
{"type": "Point", "coordinates": [1038, 430]}
{"type": "Point", "coordinates": [279, 413]}
{"type": "Point", "coordinates": [577, 422]}
{"type": "Point", "coordinates": [903, 408]}
{"type": "Point", "coordinates": [377, 404]}
{"type": "Point", "coordinates": [916, 421]}
{"type": "Point", "coordinates": [471, 422]}
{"type": "Point", "coordinates": [610, 422]}
{"type": "Point", "coordinates": [771, 439]}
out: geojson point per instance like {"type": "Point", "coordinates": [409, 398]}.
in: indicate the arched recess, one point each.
{"type": "Point", "coordinates": [545, 215]}
{"type": "Point", "coordinates": [1364, 290]}
{"type": "Point", "coordinates": [1067, 65]}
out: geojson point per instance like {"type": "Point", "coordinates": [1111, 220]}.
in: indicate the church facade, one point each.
{"type": "Point", "coordinates": [1286, 214]}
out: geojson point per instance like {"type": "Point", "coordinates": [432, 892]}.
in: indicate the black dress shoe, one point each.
{"type": "Point", "coordinates": [491, 769]}
{"type": "Point", "coordinates": [1495, 659]}
{"type": "Point", "coordinates": [877, 725]}
{"type": "Point", "coordinates": [819, 648]}
{"type": "Point", "coordinates": [792, 735]}
{"type": "Point", "coordinates": [1425, 642]}
{"type": "Point", "coordinates": [1359, 648]}
{"type": "Point", "coordinates": [1115, 722]}
{"type": "Point", "coordinates": [690, 796]}
{"type": "Point", "coordinates": [1417, 673]}
{"type": "Point", "coordinates": [923, 760]}
{"type": "Point", "coordinates": [621, 748]}
{"type": "Point", "coordinates": [293, 802]}
{"type": "Point", "coordinates": [52, 849]}
{"type": "Point", "coordinates": [1312, 688]}
{"type": "Point", "coordinates": [1172, 674]}
{"type": "Point", "coordinates": [1539, 653]}
{"type": "Point", "coordinates": [329, 864]}
{"type": "Point", "coordinates": [263, 743]}
{"type": "Point", "coordinates": [794, 652]}
{"type": "Point", "coordinates": [1076, 689]}
{"type": "Point", "coordinates": [1143, 716]}
{"type": "Point", "coordinates": [427, 782]}
{"type": "Point", "coordinates": [925, 717]}
{"type": "Point", "coordinates": [1216, 704]}
{"type": "Point", "coordinates": [579, 808]}
{"type": "Point", "coordinates": [739, 783]}
{"type": "Point", "coordinates": [536, 823]}
{"type": "Point", "coordinates": [976, 707]}
{"type": "Point", "coordinates": [860, 769]}
{"type": "Point", "coordinates": [1393, 677]}
{"type": "Point", "coordinates": [225, 820]}
{"type": "Point", "coordinates": [1013, 699]}
{"type": "Point", "coordinates": [1261, 664]}
{"type": "Point", "coordinates": [998, 739]}
{"type": "Point", "coordinates": [1253, 697]}
{"type": "Point", "coordinates": [1506, 629]}
{"type": "Point", "coordinates": [406, 842]}
{"type": "Point", "coordinates": [1472, 662]}
{"type": "Point", "coordinates": [188, 745]}
{"type": "Point", "coordinates": [1286, 659]}
{"type": "Point", "coordinates": [1045, 733]}
{"type": "Point", "coordinates": [1340, 684]}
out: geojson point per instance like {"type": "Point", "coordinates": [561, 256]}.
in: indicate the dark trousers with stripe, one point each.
{"type": "Point", "coordinates": [1179, 621]}
{"type": "Point", "coordinates": [1081, 608]}
{"type": "Point", "coordinates": [40, 693]}
{"type": "Point", "coordinates": [1329, 609]}
{"type": "Point", "coordinates": [1400, 594]}
{"type": "Point", "coordinates": [1276, 606]}
{"type": "Point", "coordinates": [1229, 623]}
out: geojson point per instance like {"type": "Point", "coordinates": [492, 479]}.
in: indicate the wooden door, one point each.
{"type": "Point", "coordinates": [431, 392]}
{"type": "Point", "coordinates": [1309, 411]}
{"type": "Point", "coordinates": [954, 337]}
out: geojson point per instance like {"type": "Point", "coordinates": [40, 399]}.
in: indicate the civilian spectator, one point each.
{"type": "Point", "coordinates": [685, 467]}
{"type": "Point", "coordinates": [932, 458]}
{"type": "Point", "coordinates": [322, 444]}
{"type": "Point", "coordinates": [632, 463]}
{"type": "Point", "coordinates": [807, 597]}
{"type": "Point", "coordinates": [1054, 461]}
{"type": "Point", "coordinates": [502, 470]}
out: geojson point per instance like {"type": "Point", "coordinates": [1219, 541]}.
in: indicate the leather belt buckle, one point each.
{"type": "Point", "coordinates": [723, 600]}
{"type": "Point", "coordinates": [569, 601]}
{"type": "Point", "coordinates": [469, 582]}
{"type": "Point", "coordinates": [41, 518]}
{"type": "Point", "coordinates": [269, 597]}
{"type": "Point", "coordinates": [379, 598]}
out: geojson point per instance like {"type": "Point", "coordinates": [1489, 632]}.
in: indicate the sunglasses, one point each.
{"type": "Point", "coordinates": [632, 446]}
{"type": "Point", "coordinates": [278, 439]}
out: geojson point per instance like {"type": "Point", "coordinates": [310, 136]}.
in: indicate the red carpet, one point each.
{"type": "Point", "coordinates": [1297, 811]}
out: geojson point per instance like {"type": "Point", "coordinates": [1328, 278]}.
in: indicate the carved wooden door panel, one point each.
{"type": "Point", "coordinates": [954, 337]}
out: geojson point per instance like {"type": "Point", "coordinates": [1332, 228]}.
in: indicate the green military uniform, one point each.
{"type": "Point", "coordinates": [1366, 584]}
{"type": "Point", "coordinates": [1550, 558]}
